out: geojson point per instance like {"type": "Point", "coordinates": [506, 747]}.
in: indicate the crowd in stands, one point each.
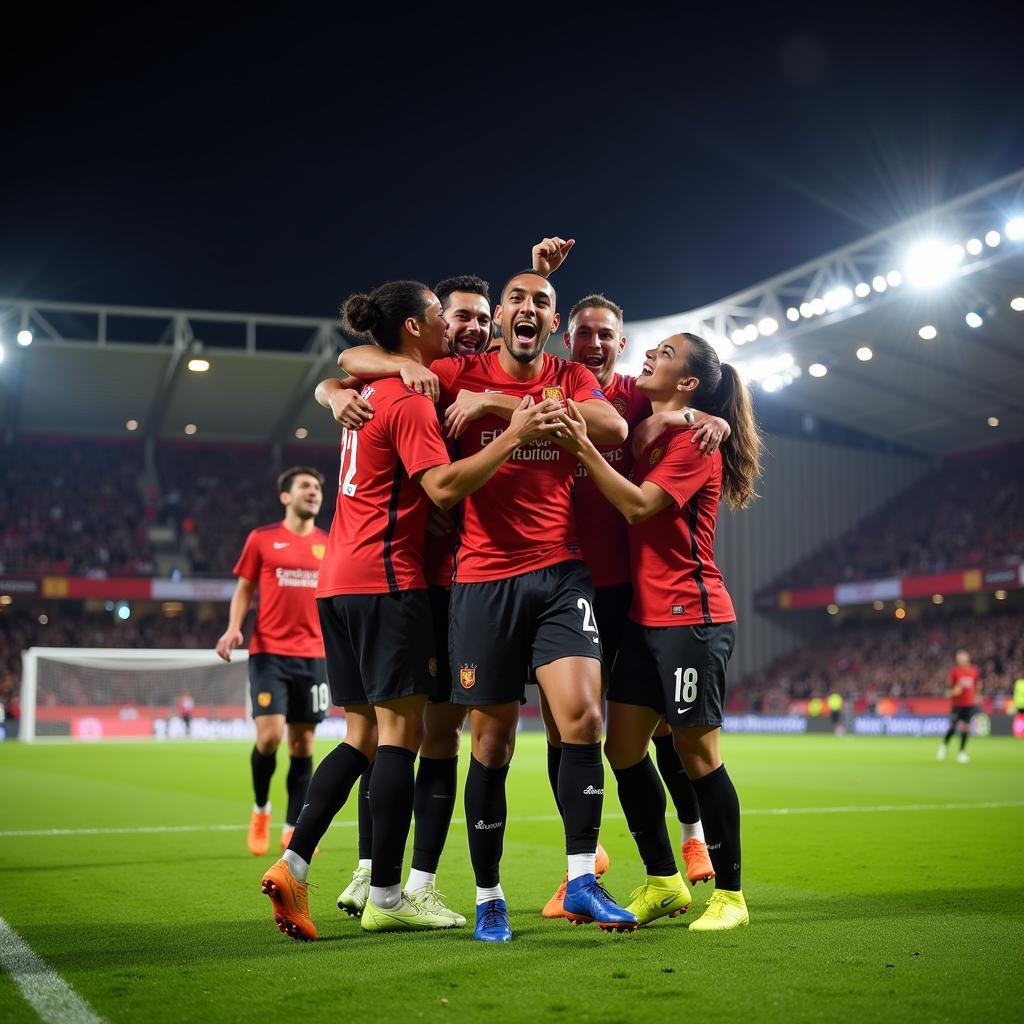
{"type": "Point", "coordinates": [967, 512]}
{"type": "Point", "coordinates": [874, 660]}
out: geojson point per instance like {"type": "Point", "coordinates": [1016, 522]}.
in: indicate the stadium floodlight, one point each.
{"type": "Point", "coordinates": [838, 298]}
{"type": "Point", "coordinates": [929, 332]}
{"type": "Point", "coordinates": [806, 311]}
{"type": "Point", "coordinates": [973, 319]}
{"type": "Point", "coordinates": [6, 599]}
{"type": "Point", "coordinates": [1000, 595]}
{"type": "Point", "coordinates": [878, 606]}
{"type": "Point", "coordinates": [1017, 304]}
{"type": "Point", "coordinates": [993, 421]}
{"type": "Point", "coordinates": [750, 332]}
{"type": "Point", "coordinates": [738, 337]}
{"type": "Point", "coordinates": [767, 326]}
{"type": "Point", "coordinates": [937, 599]}
{"type": "Point", "coordinates": [817, 369]}
{"type": "Point", "coordinates": [190, 429]}
{"type": "Point", "coordinates": [879, 283]}
{"type": "Point", "coordinates": [132, 425]}
{"type": "Point", "coordinates": [301, 433]}
{"type": "Point", "coordinates": [818, 307]}
{"type": "Point", "coordinates": [929, 263]}
{"type": "Point", "coordinates": [956, 253]}
{"type": "Point", "coordinates": [773, 382]}
{"type": "Point", "coordinates": [2, 353]}
{"type": "Point", "coordinates": [894, 278]}
{"type": "Point", "coordinates": [864, 354]}
{"type": "Point", "coordinates": [44, 619]}
{"type": "Point", "coordinates": [123, 610]}
{"type": "Point", "coordinates": [24, 338]}
{"type": "Point", "coordinates": [992, 238]}
{"type": "Point", "coordinates": [863, 290]}
{"type": "Point", "coordinates": [1015, 229]}
{"type": "Point", "coordinates": [832, 609]}
{"type": "Point", "coordinates": [900, 613]}
{"type": "Point", "coordinates": [973, 246]}
{"type": "Point", "coordinates": [199, 365]}
{"type": "Point", "coordinates": [792, 314]}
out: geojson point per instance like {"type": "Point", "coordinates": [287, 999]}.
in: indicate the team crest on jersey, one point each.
{"type": "Point", "coordinates": [554, 392]}
{"type": "Point", "coordinates": [432, 667]}
{"type": "Point", "coordinates": [319, 550]}
{"type": "Point", "coordinates": [263, 699]}
{"type": "Point", "coordinates": [368, 392]}
{"type": "Point", "coordinates": [656, 455]}
{"type": "Point", "coordinates": [467, 676]}
{"type": "Point", "coordinates": [619, 405]}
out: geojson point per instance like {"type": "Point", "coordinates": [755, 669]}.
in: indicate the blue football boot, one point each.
{"type": "Point", "coordinates": [586, 901]}
{"type": "Point", "coordinates": [492, 922]}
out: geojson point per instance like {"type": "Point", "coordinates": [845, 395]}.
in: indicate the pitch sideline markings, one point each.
{"type": "Point", "coordinates": [53, 999]}
{"type": "Point", "coordinates": [754, 812]}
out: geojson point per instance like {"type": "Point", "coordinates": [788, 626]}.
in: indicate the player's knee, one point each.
{"type": "Point", "coordinates": [441, 743]}
{"type": "Point", "coordinates": [493, 749]}
{"type": "Point", "coordinates": [585, 726]}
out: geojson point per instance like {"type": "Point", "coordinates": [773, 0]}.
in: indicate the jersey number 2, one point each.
{"type": "Point", "coordinates": [589, 625]}
{"type": "Point", "coordinates": [349, 447]}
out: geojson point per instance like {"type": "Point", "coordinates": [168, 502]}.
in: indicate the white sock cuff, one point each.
{"type": "Point", "coordinates": [486, 893]}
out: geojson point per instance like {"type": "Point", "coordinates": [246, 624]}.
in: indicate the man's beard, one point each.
{"type": "Point", "coordinates": [523, 358]}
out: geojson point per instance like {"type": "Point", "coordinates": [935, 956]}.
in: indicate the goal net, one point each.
{"type": "Point", "coordinates": [101, 693]}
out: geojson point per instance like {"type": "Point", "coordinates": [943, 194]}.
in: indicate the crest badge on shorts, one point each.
{"type": "Point", "coordinates": [263, 699]}
{"type": "Point", "coordinates": [467, 676]}
{"type": "Point", "coordinates": [554, 392]}
{"type": "Point", "coordinates": [319, 550]}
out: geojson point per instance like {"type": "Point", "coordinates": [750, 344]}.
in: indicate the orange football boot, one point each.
{"type": "Point", "coordinates": [286, 838]}
{"type": "Point", "coordinates": [290, 899]}
{"type": "Point", "coordinates": [259, 833]}
{"type": "Point", "coordinates": [698, 863]}
{"type": "Point", "coordinates": [554, 906]}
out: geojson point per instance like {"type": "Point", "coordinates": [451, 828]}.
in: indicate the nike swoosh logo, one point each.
{"type": "Point", "coordinates": [682, 711]}
{"type": "Point", "coordinates": [278, 544]}
{"type": "Point", "coordinates": [667, 900]}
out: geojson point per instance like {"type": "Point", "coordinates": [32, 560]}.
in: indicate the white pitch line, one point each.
{"type": "Point", "coordinates": [43, 988]}
{"type": "Point", "coordinates": [753, 812]}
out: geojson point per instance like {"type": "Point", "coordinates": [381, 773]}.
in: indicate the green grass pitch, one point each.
{"type": "Point", "coordinates": [859, 911]}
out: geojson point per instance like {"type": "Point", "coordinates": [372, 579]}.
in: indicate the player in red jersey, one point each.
{"type": "Point", "coordinates": [522, 600]}
{"type": "Point", "coordinates": [963, 692]}
{"type": "Point", "coordinates": [595, 339]}
{"type": "Point", "coordinates": [681, 629]}
{"type": "Point", "coordinates": [287, 681]}
{"type": "Point", "coordinates": [466, 305]}
{"type": "Point", "coordinates": [375, 612]}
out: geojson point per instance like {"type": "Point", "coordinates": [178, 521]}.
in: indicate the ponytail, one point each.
{"type": "Point", "coordinates": [382, 313]}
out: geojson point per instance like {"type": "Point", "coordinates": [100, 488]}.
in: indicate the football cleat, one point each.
{"type": "Point", "coordinates": [259, 833]}
{"type": "Point", "coordinates": [698, 863]}
{"type": "Point", "coordinates": [940, 754]}
{"type": "Point", "coordinates": [659, 897]}
{"type": "Point", "coordinates": [409, 914]}
{"type": "Point", "coordinates": [554, 906]}
{"type": "Point", "coordinates": [356, 893]}
{"type": "Point", "coordinates": [434, 901]}
{"type": "Point", "coordinates": [725, 910]}
{"type": "Point", "coordinates": [587, 901]}
{"type": "Point", "coordinates": [962, 757]}
{"type": "Point", "coordinates": [492, 922]}
{"type": "Point", "coordinates": [290, 900]}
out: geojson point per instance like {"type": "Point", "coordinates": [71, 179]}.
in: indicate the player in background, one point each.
{"type": "Point", "coordinates": [375, 612]}
{"type": "Point", "coordinates": [963, 692]}
{"type": "Point", "coordinates": [287, 681]}
{"type": "Point", "coordinates": [519, 566]}
{"type": "Point", "coordinates": [466, 305]}
{"type": "Point", "coordinates": [186, 705]}
{"type": "Point", "coordinates": [681, 631]}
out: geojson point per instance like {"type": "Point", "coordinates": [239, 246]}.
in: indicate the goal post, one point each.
{"type": "Point", "coordinates": [102, 693]}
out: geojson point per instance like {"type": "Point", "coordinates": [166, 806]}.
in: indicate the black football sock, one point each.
{"type": "Point", "coordinates": [328, 790]}
{"type": "Point", "coordinates": [365, 817]}
{"type": "Point", "coordinates": [486, 809]}
{"type": "Point", "coordinates": [433, 804]}
{"type": "Point", "coordinates": [680, 789]}
{"type": "Point", "coordinates": [720, 813]}
{"type": "Point", "coordinates": [391, 795]}
{"type": "Point", "coordinates": [300, 771]}
{"type": "Point", "coordinates": [963, 739]}
{"type": "Point", "coordinates": [263, 766]}
{"type": "Point", "coordinates": [643, 801]}
{"type": "Point", "coordinates": [554, 760]}
{"type": "Point", "coordinates": [949, 735]}
{"type": "Point", "coordinates": [581, 794]}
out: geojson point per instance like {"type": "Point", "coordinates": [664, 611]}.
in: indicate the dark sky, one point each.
{"type": "Point", "coordinates": [275, 164]}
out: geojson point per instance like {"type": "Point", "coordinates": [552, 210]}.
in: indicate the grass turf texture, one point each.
{"type": "Point", "coordinates": [855, 915]}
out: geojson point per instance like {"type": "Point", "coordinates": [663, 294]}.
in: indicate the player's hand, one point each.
{"type": "Point", "coordinates": [349, 409]}
{"type": "Point", "coordinates": [549, 254]}
{"type": "Point", "coordinates": [468, 406]}
{"type": "Point", "coordinates": [439, 522]}
{"type": "Point", "coordinates": [420, 379]}
{"type": "Point", "coordinates": [228, 642]}
{"type": "Point", "coordinates": [709, 433]}
{"type": "Point", "coordinates": [645, 432]}
{"type": "Point", "coordinates": [534, 420]}
{"type": "Point", "coordinates": [572, 429]}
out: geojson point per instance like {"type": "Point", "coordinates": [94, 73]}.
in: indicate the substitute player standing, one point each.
{"type": "Point", "coordinates": [287, 680]}
{"type": "Point", "coordinates": [964, 689]}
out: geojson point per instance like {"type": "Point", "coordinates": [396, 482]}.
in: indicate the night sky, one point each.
{"type": "Point", "coordinates": [275, 164]}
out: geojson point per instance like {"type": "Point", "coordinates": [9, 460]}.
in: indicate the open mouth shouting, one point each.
{"type": "Point", "coordinates": [525, 330]}
{"type": "Point", "coordinates": [647, 369]}
{"type": "Point", "coordinates": [594, 360]}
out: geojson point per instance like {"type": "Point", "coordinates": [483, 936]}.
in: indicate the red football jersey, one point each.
{"type": "Point", "coordinates": [376, 541]}
{"type": "Point", "coordinates": [522, 518]}
{"type": "Point", "coordinates": [601, 526]}
{"type": "Point", "coordinates": [967, 679]}
{"type": "Point", "coordinates": [439, 559]}
{"type": "Point", "coordinates": [675, 579]}
{"type": "Point", "coordinates": [284, 567]}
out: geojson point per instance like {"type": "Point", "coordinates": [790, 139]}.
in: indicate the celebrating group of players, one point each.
{"type": "Point", "coordinates": [547, 522]}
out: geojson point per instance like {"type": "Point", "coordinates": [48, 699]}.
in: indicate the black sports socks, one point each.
{"type": "Point", "coordinates": [680, 789]}
{"type": "Point", "coordinates": [300, 771]}
{"type": "Point", "coordinates": [391, 798]}
{"type": "Point", "coordinates": [263, 766]}
{"type": "Point", "coordinates": [433, 804]}
{"type": "Point", "coordinates": [486, 810]}
{"type": "Point", "coordinates": [581, 795]}
{"type": "Point", "coordinates": [720, 813]}
{"type": "Point", "coordinates": [643, 800]}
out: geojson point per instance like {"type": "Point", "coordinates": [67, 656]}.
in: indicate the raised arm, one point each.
{"type": "Point", "coordinates": [370, 362]}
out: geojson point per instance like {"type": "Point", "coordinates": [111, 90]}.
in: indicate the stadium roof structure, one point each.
{"type": "Point", "coordinates": [957, 269]}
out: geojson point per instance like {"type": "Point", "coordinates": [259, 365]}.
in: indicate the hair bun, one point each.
{"type": "Point", "coordinates": [362, 314]}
